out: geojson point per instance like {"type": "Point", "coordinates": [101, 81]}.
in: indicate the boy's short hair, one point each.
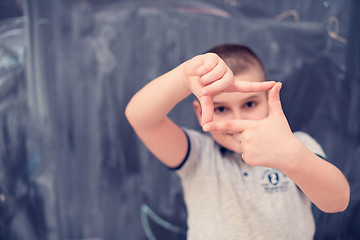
{"type": "Point", "coordinates": [239, 58]}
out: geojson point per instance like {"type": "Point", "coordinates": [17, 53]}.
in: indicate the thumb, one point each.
{"type": "Point", "coordinates": [274, 100]}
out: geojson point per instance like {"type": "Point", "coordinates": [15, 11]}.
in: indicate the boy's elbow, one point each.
{"type": "Point", "coordinates": [129, 112]}
{"type": "Point", "coordinates": [345, 199]}
{"type": "Point", "coordinates": [129, 115]}
{"type": "Point", "coordinates": [343, 207]}
{"type": "Point", "coordinates": [344, 204]}
{"type": "Point", "coordinates": [335, 209]}
{"type": "Point", "coordinates": [134, 118]}
{"type": "Point", "coordinates": [339, 205]}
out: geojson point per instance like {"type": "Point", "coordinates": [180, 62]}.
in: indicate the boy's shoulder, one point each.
{"type": "Point", "coordinates": [200, 146]}
{"type": "Point", "coordinates": [198, 139]}
{"type": "Point", "coordinates": [192, 133]}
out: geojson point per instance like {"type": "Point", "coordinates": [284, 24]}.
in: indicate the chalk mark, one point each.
{"type": "Point", "coordinates": [146, 213]}
{"type": "Point", "coordinates": [205, 11]}
{"type": "Point", "coordinates": [288, 13]}
{"type": "Point", "coordinates": [333, 28]}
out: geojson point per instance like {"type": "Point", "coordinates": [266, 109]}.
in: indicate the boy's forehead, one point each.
{"type": "Point", "coordinates": [237, 97]}
{"type": "Point", "coordinates": [252, 75]}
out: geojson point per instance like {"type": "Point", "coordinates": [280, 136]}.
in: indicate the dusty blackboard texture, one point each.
{"type": "Point", "coordinates": [71, 167]}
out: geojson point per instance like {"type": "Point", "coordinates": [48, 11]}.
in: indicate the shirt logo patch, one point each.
{"type": "Point", "coordinates": [274, 181]}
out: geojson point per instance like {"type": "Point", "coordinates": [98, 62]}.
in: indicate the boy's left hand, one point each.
{"type": "Point", "coordinates": [268, 142]}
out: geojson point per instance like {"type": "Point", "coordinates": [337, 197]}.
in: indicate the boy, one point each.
{"type": "Point", "coordinates": [253, 178]}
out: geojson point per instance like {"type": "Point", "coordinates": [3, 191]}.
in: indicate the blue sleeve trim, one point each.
{"type": "Point", "coordinates": [186, 156]}
{"type": "Point", "coordinates": [321, 156]}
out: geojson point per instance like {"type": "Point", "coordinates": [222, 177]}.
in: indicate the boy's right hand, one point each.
{"type": "Point", "coordinates": [207, 75]}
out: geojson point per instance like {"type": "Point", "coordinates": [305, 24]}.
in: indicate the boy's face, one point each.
{"type": "Point", "coordinates": [238, 105]}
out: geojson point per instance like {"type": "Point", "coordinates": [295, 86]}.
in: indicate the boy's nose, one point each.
{"type": "Point", "coordinates": [237, 115]}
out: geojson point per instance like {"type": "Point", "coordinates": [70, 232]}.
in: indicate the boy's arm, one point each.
{"type": "Point", "coordinates": [321, 181]}
{"type": "Point", "coordinates": [147, 110]}
{"type": "Point", "coordinates": [271, 143]}
{"type": "Point", "coordinates": [147, 113]}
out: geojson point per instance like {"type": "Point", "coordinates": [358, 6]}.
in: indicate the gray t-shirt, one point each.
{"type": "Point", "coordinates": [227, 199]}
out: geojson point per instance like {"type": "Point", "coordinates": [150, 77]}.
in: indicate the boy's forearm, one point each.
{"type": "Point", "coordinates": [322, 182]}
{"type": "Point", "coordinates": [152, 103]}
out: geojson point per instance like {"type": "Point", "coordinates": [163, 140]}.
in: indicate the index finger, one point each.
{"type": "Point", "coordinates": [248, 86]}
{"type": "Point", "coordinates": [237, 126]}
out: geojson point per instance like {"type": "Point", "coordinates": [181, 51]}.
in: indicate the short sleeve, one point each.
{"type": "Point", "coordinates": [198, 144]}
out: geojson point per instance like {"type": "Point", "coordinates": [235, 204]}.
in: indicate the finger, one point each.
{"type": "Point", "coordinates": [221, 85]}
{"type": "Point", "coordinates": [207, 109]}
{"type": "Point", "coordinates": [209, 62]}
{"type": "Point", "coordinates": [237, 126]}
{"type": "Point", "coordinates": [191, 66]}
{"type": "Point", "coordinates": [215, 74]}
{"type": "Point", "coordinates": [196, 87]}
{"type": "Point", "coordinates": [247, 86]}
{"type": "Point", "coordinates": [274, 100]}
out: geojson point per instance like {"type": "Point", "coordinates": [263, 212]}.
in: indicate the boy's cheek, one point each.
{"type": "Point", "coordinates": [228, 141]}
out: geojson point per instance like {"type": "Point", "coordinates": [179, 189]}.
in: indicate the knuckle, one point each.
{"type": "Point", "coordinates": [212, 58]}
{"type": "Point", "coordinates": [218, 73]}
{"type": "Point", "coordinates": [196, 61]}
{"type": "Point", "coordinates": [228, 80]}
{"type": "Point", "coordinates": [207, 67]}
{"type": "Point", "coordinates": [211, 55]}
{"type": "Point", "coordinates": [228, 126]}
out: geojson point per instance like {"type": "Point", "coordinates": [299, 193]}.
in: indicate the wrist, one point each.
{"type": "Point", "coordinates": [182, 79]}
{"type": "Point", "coordinates": [176, 84]}
{"type": "Point", "coordinates": [295, 157]}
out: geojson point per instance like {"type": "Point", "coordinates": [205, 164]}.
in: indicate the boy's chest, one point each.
{"type": "Point", "coordinates": [257, 180]}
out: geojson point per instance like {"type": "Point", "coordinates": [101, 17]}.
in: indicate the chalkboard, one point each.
{"type": "Point", "coordinates": [72, 168]}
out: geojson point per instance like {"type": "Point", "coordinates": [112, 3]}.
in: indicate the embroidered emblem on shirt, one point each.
{"type": "Point", "coordinates": [274, 181]}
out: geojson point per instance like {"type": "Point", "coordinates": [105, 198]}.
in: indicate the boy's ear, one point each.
{"type": "Point", "coordinates": [197, 109]}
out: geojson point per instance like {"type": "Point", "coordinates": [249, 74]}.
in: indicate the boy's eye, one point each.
{"type": "Point", "coordinates": [220, 109]}
{"type": "Point", "coordinates": [250, 104]}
